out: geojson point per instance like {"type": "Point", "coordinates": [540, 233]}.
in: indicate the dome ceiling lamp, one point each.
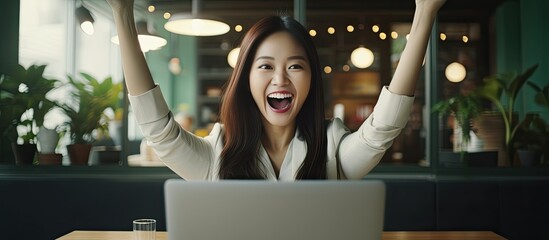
{"type": "Point", "coordinates": [148, 41]}
{"type": "Point", "coordinates": [196, 23]}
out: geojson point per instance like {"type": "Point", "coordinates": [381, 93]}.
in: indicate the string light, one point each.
{"type": "Point", "coordinates": [327, 69]}
{"type": "Point", "coordinates": [346, 68]}
{"type": "Point", "coordinates": [382, 35]}
{"type": "Point", "coordinates": [442, 36]}
{"type": "Point", "coordinates": [350, 28]}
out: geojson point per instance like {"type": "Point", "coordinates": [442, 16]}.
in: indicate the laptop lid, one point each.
{"type": "Point", "coordinates": [264, 210]}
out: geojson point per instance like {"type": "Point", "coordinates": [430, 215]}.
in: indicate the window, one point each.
{"type": "Point", "coordinates": [49, 35]}
{"type": "Point", "coordinates": [481, 42]}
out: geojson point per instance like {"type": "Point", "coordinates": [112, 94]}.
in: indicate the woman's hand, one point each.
{"type": "Point", "coordinates": [120, 5]}
{"type": "Point", "coordinates": [430, 5]}
{"type": "Point", "coordinates": [407, 72]}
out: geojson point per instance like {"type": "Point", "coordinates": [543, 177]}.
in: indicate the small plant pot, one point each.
{"type": "Point", "coordinates": [24, 153]}
{"type": "Point", "coordinates": [79, 154]}
{"type": "Point", "coordinates": [47, 140]}
{"type": "Point", "coordinates": [529, 158]}
{"type": "Point", "coordinates": [50, 158]}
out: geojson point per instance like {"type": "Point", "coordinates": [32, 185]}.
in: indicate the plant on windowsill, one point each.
{"type": "Point", "coordinates": [24, 105]}
{"type": "Point", "coordinates": [508, 85]}
{"type": "Point", "coordinates": [531, 138]}
{"type": "Point", "coordinates": [542, 95]}
{"type": "Point", "coordinates": [464, 109]}
{"type": "Point", "coordinates": [86, 113]}
{"type": "Point", "coordinates": [535, 128]}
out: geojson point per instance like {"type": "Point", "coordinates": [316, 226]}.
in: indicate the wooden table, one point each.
{"type": "Point", "coordinates": [434, 235]}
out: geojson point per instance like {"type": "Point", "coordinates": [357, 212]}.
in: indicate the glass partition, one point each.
{"type": "Point", "coordinates": [359, 45]}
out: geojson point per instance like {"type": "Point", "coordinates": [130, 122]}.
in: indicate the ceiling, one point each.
{"type": "Point", "coordinates": [325, 13]}
{"type": "Point", "coordinates": [333, 11]}
{"type": "Point", "coordinates": [320, 15]}
{"type": "Point", "coordinates": [332, 7]}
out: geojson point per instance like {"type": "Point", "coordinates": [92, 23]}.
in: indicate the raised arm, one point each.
{"type": "Point", "coordinates": [136, 72]}
{"type": "Point", "coordinates": [407, 72]}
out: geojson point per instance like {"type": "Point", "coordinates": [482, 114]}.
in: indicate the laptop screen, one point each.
{"type": "Point", "coordinates": [252, 210]}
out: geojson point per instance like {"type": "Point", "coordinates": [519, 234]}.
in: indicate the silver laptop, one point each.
{"type": "Point", "coordinates": [265, 210]}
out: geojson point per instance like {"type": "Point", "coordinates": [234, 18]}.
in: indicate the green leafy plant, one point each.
{"type": "Point", "coordinates": [464, 108]}
{"type": "Point", "coordinates": [539, 128]}
{"type": "Point", "coordinates": [23, 101]}
{"type": "Point", "coordinates": [92, 98]}
{"type": "Point", "coordinates": [532, 133]}
{"type": "Point", "coordinates": [10, 109]}
{"type": "Point", "coordinates": [494, 88]}
{"type": "Point", "coordinates": [542, 94]}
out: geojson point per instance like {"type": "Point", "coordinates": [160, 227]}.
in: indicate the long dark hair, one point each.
{"type": "Point", "coordinates": [242, 119]}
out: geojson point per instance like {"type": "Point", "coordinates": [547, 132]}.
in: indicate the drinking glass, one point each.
{"type": "Point", "coordinates": [144, 229]}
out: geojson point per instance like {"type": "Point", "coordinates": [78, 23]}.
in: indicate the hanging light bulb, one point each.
{"type": "Point", "coordinates": [85, 19]}
{"type": "Point", "coordinates": [455, 72]}
{"type": "Point", "coordinates": [233, 56]}
{"type": "Point", "coordinates": [147, 41]}
{"type": "Point", "coordinates": [362, 57]}
{"type": "Point", "coordinates": [196, 24]}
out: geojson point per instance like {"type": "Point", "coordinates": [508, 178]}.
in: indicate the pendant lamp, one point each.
{"type": "Point", "coordinates": [147, 41]}
{"type": "Point", "coordinates": [455, 72]}
{"type": "Point", "coordinates": [196, 23]}
{"type": "Point", "coordinates": [85, 19]}
{"type": "Point", "coordinates": [362, 57]}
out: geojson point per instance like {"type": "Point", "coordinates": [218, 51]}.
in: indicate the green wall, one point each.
{"type": "Point", "coordinates": [181, 88]}
{"type": "Point", "coordinates": [9, 42]}
{"type": "Point", "coordinates": [535, 47]}
{"type": "Point", "coordinates": [9, 47]}
{"type": "Point", "coordinates": [522, 31]}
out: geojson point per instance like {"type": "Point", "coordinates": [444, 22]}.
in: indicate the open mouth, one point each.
{"type": "Point", "coordinates": [280, 102]}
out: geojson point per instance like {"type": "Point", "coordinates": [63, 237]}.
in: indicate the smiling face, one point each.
{"type": "Point", "coordinates": [280, 79]}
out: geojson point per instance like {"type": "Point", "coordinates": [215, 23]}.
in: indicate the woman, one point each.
{"type": "Point", "coordinates": [272, 122]}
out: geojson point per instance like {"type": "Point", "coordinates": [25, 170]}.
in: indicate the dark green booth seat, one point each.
{"type": "Point", "coordinates": [39, 205]}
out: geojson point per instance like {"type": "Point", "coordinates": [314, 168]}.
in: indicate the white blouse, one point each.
{"type": "Point", "coordinates": [197, 158]}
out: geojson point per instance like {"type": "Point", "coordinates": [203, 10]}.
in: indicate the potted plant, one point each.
{"type": "Point", "coordinates": [25, 105]}
{"type": "Point", "coordinates": [469, 121]}
{"type": "Point", "coordinates": [494, 88]}
{"type": "Point", "coordinates": [542, 99]}
{"type": "Point", "coordinates": [11, 110]}
{"type": "Point", "coordinates": [531, 139]}
{"type": "Point", "coordinates": [86, 113]}
{"type": "Point", "coordinates": [542, 94]}
{"type": "Point", "coordinates": [464, 109]}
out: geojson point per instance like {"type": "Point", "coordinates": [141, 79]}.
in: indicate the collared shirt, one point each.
{"type": "Point", "coordinates": [197, 158]}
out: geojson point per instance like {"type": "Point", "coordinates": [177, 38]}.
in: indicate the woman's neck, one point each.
{"type": "Point", "coordinates": [276, 140]}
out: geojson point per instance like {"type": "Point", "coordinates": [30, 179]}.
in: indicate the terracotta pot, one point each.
{"type": "Point", "coordinates": [50, 158]}
{"type": "Point", "coordinates": [79, 154]}
{"type": "Point", "coordinates": [24, 153]}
